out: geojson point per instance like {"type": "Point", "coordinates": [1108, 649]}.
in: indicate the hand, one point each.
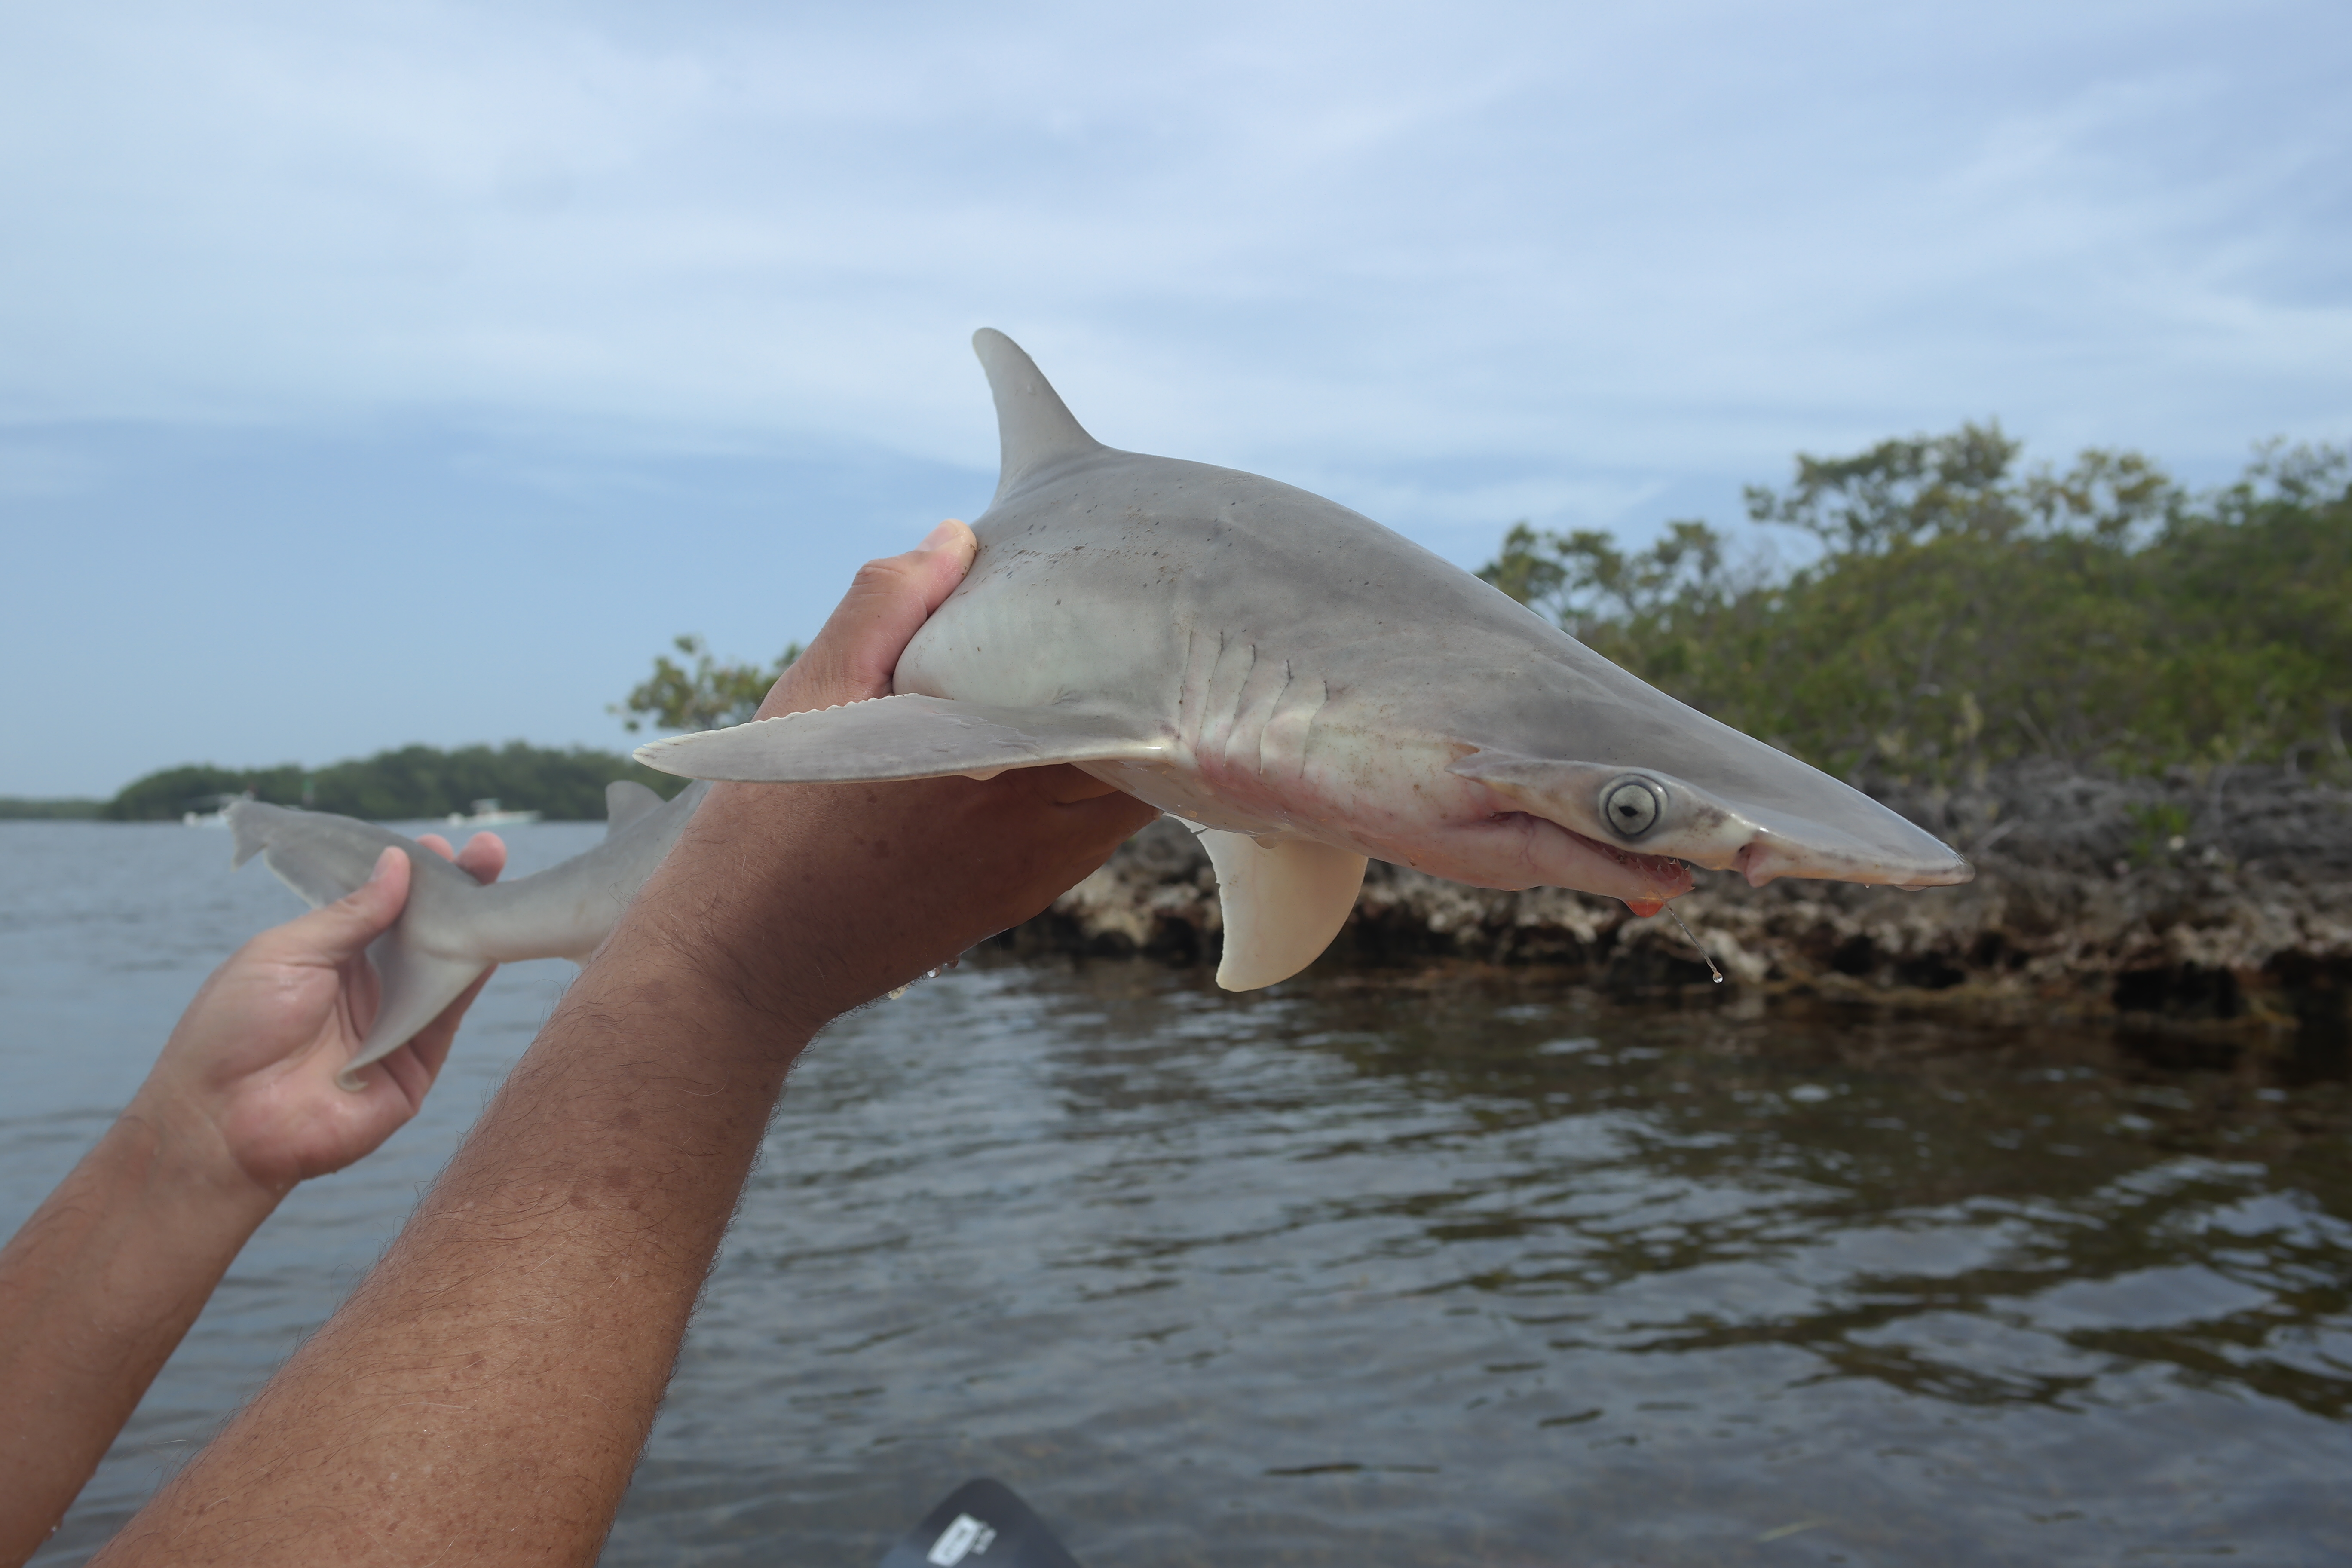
{"type": "Point", "coordinates": [249, 1072]}
{"type": "Point", "coordinates": [100, 1284]}
{"type": "Point", "coordinates": [524, 1324]}
{"type": "Point", "coordinates": [884, 881]}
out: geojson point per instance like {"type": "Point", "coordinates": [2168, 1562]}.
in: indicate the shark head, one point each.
{"type": "Point", "coordinates": [1673, 784]}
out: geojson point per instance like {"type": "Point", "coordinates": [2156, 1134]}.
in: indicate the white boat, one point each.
{"type": "Point", "coordinates": [488, 813]}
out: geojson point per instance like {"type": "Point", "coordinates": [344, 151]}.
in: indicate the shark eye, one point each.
{"type": "Point", "coordinates": [1631, 807]}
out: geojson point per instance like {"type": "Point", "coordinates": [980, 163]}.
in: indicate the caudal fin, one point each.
{"type": "Point", "coordinates": [416, 985]}
{"type": "Point", "coordinates": [324, 857]}
{"type": "Point", "coordinates": [320, 855]}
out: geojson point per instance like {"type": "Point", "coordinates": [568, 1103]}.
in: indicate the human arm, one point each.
{"type": "Point", "coordinates": [484, 1395]}
{"type": "Point", "coordinates": [99, 1284]}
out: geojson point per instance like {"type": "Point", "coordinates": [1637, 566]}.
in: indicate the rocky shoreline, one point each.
{"type": "Point", "coordinates": [2219, 900]}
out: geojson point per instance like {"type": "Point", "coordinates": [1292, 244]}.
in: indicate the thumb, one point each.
{"type": "Point", "coordinates": [337, 932]}
{"type": "Point", "coordinates": [887, 601]}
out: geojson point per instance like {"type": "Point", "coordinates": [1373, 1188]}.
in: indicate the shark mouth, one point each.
{"type": "Point", "coordinates": [1664, 868]}
{"type": "Point", "coordinates": [1656, 867]}
{"type": "Point", "coordinates": [1571, 859]}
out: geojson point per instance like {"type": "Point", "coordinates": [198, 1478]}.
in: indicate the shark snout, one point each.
{"type": "Point", "coordinates": [1930, 863]}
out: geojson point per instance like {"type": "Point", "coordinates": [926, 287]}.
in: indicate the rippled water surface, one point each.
{"type": "Point", "coordinates": [1385, 1269]}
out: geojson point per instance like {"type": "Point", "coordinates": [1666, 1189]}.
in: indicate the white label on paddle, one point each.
{"type": "Point", "coordinates": [966, 1537]}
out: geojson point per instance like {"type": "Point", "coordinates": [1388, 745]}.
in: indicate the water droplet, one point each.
{"type": "Point", "coordinates": [1703, 953]}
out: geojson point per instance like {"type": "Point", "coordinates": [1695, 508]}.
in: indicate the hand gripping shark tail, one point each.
{"type": "Point", "coordinates": [1305, 690]}
{"type": "Point", "coordinates": [453, 926]}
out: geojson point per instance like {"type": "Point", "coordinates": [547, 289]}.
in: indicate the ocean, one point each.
{"type": "Point", "coordinates": [1443, 1266]}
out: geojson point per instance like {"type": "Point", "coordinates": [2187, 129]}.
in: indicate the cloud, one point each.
{"type": "Point", "coordinates": [1594, 265]}
{"type": "Point", "coordinates": [1401, 227]}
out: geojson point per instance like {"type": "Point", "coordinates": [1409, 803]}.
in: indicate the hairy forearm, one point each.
{"type": "Point", "coordinates": [96, 1290]}
{"type": "Point", "coordinates": [484, 1395]}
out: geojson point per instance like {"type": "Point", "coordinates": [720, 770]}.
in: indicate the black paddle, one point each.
{"type": "Point", "coordinates": [981, 1525]}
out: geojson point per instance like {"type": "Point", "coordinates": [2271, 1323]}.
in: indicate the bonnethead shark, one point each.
{"type": "Point", "coordinates": [453, 928]}
{"type": "Point", "coordinates": [1307, 690]}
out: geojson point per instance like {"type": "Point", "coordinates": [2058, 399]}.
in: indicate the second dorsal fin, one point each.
{"type": "Point", "coordinates": [1034, 427]}
{"type": "Point", "coordinates": [625, 800]}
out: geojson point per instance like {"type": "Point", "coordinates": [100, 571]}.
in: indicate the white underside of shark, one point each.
{"type": "Point", "coordinates": [453, 928]}
{"type": "Point", "coordinates": [1307, 689]}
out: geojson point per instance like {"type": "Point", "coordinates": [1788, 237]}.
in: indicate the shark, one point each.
{"type": "Point", "coordinates": [453, 928]}
{"type": "Point", "coordinates": [1306, 690]}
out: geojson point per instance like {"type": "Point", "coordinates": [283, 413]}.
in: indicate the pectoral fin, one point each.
{"type": "Point", "coordinates": [1283, 903]}
{"type": "Point", "coordinates": [415, 987]}
{"type": "Point", "coordinates": [905, 737]}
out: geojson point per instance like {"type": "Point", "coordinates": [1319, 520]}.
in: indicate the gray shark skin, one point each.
{"type": "Point", "coordinates": [453, 926]}
{"type": "Point", "coordinates": [1307, 689]}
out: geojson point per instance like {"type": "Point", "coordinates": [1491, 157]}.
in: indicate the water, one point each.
{"type": "Point", "coordinates": [1401, 1268]}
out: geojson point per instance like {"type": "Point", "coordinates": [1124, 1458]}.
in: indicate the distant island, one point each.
{"type": "Point", "coordinates": [20, 808]}
{"type": "Point", "coordinates": [408, 783]}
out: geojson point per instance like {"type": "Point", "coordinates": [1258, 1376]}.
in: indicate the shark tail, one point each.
{"type": "Point", "coordinates": [416, 986]}
{"type": "Point", "coordinates": [249, 826]}
{"type": "Point", "coordinates": [323, 858]}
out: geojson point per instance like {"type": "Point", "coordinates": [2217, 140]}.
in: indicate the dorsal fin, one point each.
{"type": "Point", "coordinates": [1034, 427]}
{"type": "Point", "coordinates": [625, 800]}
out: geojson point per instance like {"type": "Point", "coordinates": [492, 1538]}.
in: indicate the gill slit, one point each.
{"type": "Point", "coordinates": [1265, 721]}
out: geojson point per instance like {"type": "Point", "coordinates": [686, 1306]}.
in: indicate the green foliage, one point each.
{"type": "Point", "coordinates": [164, 796]}
{"type": "Point", "coordinates": [18, 808]}
{"type": "Point", "coordinates": [406, 785]}
{"type": "Point", "coordinates": [708, 696]}
{"type": "Point", "coordinates": [2160, 830]}
{"type": "Point", "coordinates": [1960, 613]}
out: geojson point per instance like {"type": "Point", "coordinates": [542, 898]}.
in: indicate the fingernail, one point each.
{"type": "Point", "coordinates": [383, 863]}
{"type": "Point", "coordinates": [938, 536]}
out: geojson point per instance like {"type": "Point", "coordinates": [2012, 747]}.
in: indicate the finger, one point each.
{"type": "Point", "coordinates": [888, 600]}
{"type": "Point", "coordinates": [337, 932]}
{"type": "Point", "coordinates": [484, 856]}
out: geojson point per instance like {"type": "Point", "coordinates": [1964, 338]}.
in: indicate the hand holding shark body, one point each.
{"type": "Point", "coordinates": [1303, 687]}
{"type": "Point", "coordinates": [1306, 689]}
{"type": "Point", "coordinates": [243, 1102]}
{"type": "Point", "coordinates": [456, 924]}
{"type": "Point", "coordinates": [262, 1050]}
{"type": "Point", "coordinates": [484, 1396]}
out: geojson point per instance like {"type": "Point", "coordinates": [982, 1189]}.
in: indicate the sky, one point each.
{"type": "Point", "coordinates": [378, 374]}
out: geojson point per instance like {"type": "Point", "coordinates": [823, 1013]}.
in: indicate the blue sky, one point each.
{"type": "Point", "coordinates": [412, 372]}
